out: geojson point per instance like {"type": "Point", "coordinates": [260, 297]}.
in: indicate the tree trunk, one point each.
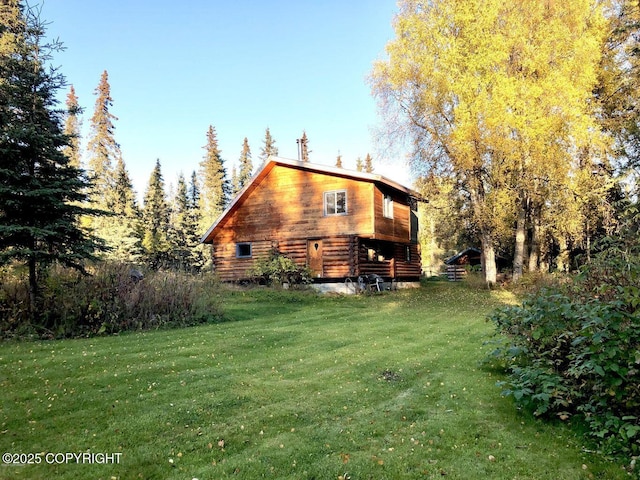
{"type": "Point", "coordinates": [489, 267]}
{"type": "Point", "coordinates": [518, 257]}
{"type": "Point", "coordinates": [562, 261]}
{"type": "Point", "coordinates": [534, 250]}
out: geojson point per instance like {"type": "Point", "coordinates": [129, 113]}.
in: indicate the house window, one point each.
{"type": "Point", "coordinates": [243, 250]}
{"type": "Point", "coordinates": [335, 203]}
{"type": "Point", "coordinates": [387, 206]}
{"type": "Point", "coordinates": [408, 253]}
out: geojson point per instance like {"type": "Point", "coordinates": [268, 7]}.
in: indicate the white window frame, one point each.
{"type": "Point", "coordinates": [334, 194]}
{"type": "Point", "coordinates": [387, 206]}
{"type": "Point", "coordinates": [244, 244]}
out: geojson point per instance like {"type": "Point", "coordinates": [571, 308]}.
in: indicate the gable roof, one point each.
{"type": "Point", "coordinates": [272, 161]}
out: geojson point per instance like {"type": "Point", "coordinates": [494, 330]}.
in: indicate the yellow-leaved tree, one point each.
{"type": "Point", "coordinates": [498, 95]}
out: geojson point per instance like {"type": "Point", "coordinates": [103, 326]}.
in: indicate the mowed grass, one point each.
{"type": "Point", "coordinates": [294, 386]}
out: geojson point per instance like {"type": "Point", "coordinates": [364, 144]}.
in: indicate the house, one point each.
{"type": "Point", "coordinates": [470, 257]}
{"type": "Point", "coordinates": [457, 264]}
{"type": "Point", "coordinates": [340, 223]}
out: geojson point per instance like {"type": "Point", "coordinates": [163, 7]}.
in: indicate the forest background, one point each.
{"type": "Point", "coordinates": [521, 121]}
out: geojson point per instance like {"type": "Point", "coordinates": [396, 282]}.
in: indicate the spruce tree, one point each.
{"type": "Point", "coordinates": [72, 126]}
{"type": "Point", "coordinates": [40, 191]}
{"type": "Point", "coordinates": [103, 150]}
{"type": "Point", "coordinates": [359, 165]}
{"type": "Point", "coordinates": [368, 164]}
{"type": "Point", "coordinates": [339, 161]}
{"type": "Point", "coordinates": [215, 184]}
{"type": "Point", "coordinates": [269, 148]}
{"type": "Point", "coordinates": [155, 220]}
{"type": "Point", "coordinates": [193, 196]}
{"type": "Point", "coordinates": [121, 230]}
{"type": "Point", "coordinates": [304, 147]}
{"type": "Point", "coordinates": [246, 165]}
{"type": "Point", "coordinates": [180, 251]}
{"type": "Point", "coordinates": [184, 236]}
{"type": "Point", "coordinates": [235, 188]}
{"type": "Point", "coordinates": [123, 199]}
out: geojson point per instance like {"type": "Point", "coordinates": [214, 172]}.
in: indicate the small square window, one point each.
{"type": "Point", "coordinates": [335, 203]}
{"type": "Point", "coordinates": [243, 250]}
{"type": "Point", "coordinates": [387, 206]}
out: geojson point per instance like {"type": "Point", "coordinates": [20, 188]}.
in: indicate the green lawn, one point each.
{"type": "Point", "coordinates": [293, 386]}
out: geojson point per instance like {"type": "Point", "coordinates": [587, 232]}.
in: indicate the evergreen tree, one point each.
{"type": "Point", "coordinates": [246, 166]}
{"type": "Point", "coordinates": [193, 196]}
{"type": "Point", "coordinates": [124, 198]}
{"type": "Point", "coordinates": [359, 165]}
{"type": "Point", "coordinates": [155, 220]}
{"type": "Point", "coordinates": [269, 148]}
{"type": "Point", "coordinates": [194, 193]}
{"type": "Point", "coordinates": [179, 220]}
{"type": "Point", "coordinates": [339, 161]}
{"type": "Point", "coordinates": [368, 164]}
{"type": "Point", "coordinates": [72, 126]}
{"type": "Point", "coordinates": [103, 149]}
{"type": "Point", "coordinates": [235, 188]}
{"type": "Point", "coordinates": [304, 147]}
{"type": "Point", "coordinates": [215, 185]}
{"type": "Point", "coordinates": [121, 230]}
{"type": "Point", "coordinates": [184, 236]}
{"type": "Point", "coordinates": [40, 191]}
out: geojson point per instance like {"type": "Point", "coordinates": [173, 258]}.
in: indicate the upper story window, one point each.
{"type": "Point", "coordinates": [387, 206]}
{"type": "Point", "coordinates": [335, 203]}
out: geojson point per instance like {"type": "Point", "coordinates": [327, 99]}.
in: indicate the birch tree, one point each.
{"type": "Point", "coordinates": [497, 95]}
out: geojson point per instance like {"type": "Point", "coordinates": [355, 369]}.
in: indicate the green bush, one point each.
{"type": "Point", "coordinates": [278, 269]}
{"type": "Point", "coordinates": [109, 300]}
{"type": "Point", "coordinates": [575, 350]}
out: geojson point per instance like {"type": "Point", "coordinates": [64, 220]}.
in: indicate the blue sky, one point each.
{"type": "Point", "coordinates": [241, 66]}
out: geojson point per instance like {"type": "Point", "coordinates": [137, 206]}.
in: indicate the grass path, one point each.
{"type": "Point", "coordinates": [293, 387]}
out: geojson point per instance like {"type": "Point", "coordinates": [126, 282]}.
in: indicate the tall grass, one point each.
{"type": "Point", "coordinates": [111, 299]}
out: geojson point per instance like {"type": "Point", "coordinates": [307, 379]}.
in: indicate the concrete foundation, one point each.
{"type": "Point", "coordinates": [352, 288]}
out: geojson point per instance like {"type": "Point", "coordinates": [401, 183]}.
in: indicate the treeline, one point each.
{"type": "Point", "coordinates": [65, 205]}
{"type": "Point", "coordinates": [164, 230]}
{"type": "Point", "coordinates": [523, 121]}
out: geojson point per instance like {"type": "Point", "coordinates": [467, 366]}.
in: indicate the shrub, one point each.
{"type": "Point", "coordinates": [575, 349]}
{"type": "Point", "coordinates": [110, 300]}
{"type": "Point", "coordinates": [278, 269]}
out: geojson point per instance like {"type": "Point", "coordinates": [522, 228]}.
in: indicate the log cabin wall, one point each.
{"type": "Point", "coordinates": [389, 259]}
{"type": "Point", "coordinates": [286, 210]}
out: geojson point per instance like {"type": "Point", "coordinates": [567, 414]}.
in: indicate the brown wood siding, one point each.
{"type": "Point", "coordinates": [337, 258]}
{"type": "Point", "coordinates": [290, 202]}
{"type": "Point", "coordinates": [285, 210]}
{"type": "Point", "coordinates": [229, 268]}
{"type": "Point", "coordinates": [398, 228]}
{"type": "Point", "coordinates": [345, 256]}
{"type": "Point", "coordinates": [395, 264]}
{"type": "Point", "coordinates": [404, 269]}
